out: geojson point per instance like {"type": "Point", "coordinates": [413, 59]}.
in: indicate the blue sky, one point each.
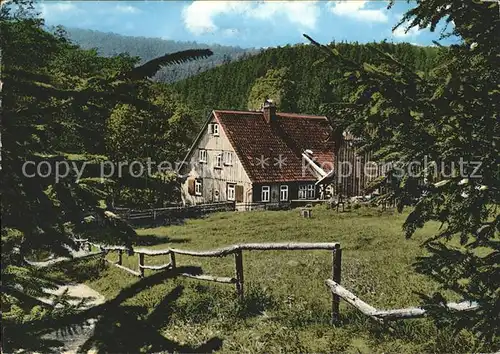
{"type": "Point", "coordinates": [240, 23]}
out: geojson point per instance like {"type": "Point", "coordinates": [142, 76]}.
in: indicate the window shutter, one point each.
{"type": "Point", "coordinates": [191, 190]}
{"type": "Point", "coordinates": [239, 194]}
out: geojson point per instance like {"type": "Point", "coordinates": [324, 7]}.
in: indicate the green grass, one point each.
{"type": "Point", "coordinates": [287, 305]}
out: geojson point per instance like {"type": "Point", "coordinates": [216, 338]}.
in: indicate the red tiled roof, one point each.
{"type": "Point", "coordinates": [259, 144]}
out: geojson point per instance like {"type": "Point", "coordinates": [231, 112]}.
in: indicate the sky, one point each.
{"type": "Point", "coordinates": [241, 23]}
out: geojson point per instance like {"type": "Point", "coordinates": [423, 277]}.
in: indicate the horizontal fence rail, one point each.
{"type": "Point", "coordinates": [390, 315]}
{"type": "Point", "coordinates": [134, 216]}
{"type": "Point", "coordinates": [236, 250]}
{"type": "Point", "coordinates": [224, 251]}
{"type": "Point", "coordinates": [52, 261]}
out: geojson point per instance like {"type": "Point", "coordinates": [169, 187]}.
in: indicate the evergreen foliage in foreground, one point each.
{"type": "Point", "coordinates": [53, 118]}
{"type": "Point", "coordinates": [451, 118]}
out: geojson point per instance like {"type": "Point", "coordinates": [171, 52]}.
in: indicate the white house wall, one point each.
{"type": "Point", "coordinates": [214, 179]}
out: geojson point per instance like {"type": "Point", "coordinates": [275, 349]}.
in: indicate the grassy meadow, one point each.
{"type": "Point", "coordinates": [287, 305]}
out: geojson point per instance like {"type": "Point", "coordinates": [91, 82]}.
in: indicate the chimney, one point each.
{"type": "Point", "coordinates": [269, 111]}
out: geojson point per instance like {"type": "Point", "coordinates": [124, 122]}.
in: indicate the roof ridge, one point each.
{"type": "Point", "coordinates": [282, 114]}
{"type": "Point", "coordinates": [236, 111]}
{"type": "Point", "coordinates": [300, 115]}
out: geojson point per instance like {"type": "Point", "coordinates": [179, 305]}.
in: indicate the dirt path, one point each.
{"type": "Point", "coordinates": [73, 341]}
{"type": "Point", "coordinates": [78, 291]}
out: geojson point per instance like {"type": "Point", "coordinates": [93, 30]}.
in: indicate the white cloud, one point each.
{"type": "Point", "coordinates": [58, 9]}
{"type": "Point", "coordinates": [356, 10]}
{"type": "Point", "coordinates": [199, 16]}
{"type": "Point", "coordinates": [401, 32]}
{"type": "Point", "coordinates": [302, 13]}
{"type": "Point", "coordinates": [127, 9]}
{"type": "Point", "coordinates": [55, 12]}
{"type": "Point", "coordinates": [413, 32]}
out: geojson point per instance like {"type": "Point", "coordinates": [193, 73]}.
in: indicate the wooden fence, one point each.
{"type": "Point", "coordinates": [390, 315]}
{"type": "Point", "coordinates": [291, 204]}
{"type": "Point", "coordinates": [162, 214]}
{"type": "Point", "coordinates": [263, 206]}
{"type": "Point", "coordinates": [236, 250]}
{"type": "Point", "coordinates": [338, 291]}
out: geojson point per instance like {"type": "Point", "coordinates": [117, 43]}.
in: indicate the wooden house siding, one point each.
{"type": "Point", "coordinates": [214, 179]}
{"type": "Point", "coordinates": [363, 170]}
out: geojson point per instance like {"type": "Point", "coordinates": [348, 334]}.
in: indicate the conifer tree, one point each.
{"type": "Point", "coordinates": [449, 118]}
{"type": "Point", "coordinates": [41, 212]}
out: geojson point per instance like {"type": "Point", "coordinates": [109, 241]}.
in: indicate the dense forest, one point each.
{"type": "Point", "coordinates": [111, 44]}
{"type": "Point", "coordinates": [298, 72]}
{"type": "Point", "coordinates": [305, 80]}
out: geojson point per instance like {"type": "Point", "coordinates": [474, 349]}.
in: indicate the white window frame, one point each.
{"type": "Point", "coordinates": [218, 161]}
{"type": "Point", "coordinates": [265, 191]}
{"type": "Point", "coordinates": [215, 129]}
{"type": "Point", "coordinates": [302, 191]}
{"type": "Point", "coordinates": [228, 158]}
{"type": "Point", "coordinates": [311, 191]}
{"type": "Point", "coordinates": [283, 193]}
{"type": "Point", "coordinates": [197, 187]}
{"type": "Point", "coordinates": [203, 155]}
{"type": "Point", "coordinates": [231, 191]}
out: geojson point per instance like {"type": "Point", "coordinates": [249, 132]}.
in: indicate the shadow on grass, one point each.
{"type": "Point", "coordinates": [76, 270]}
{"type": "Point", "coordinates": [160, 221]}
{"type": "Point", "coordinates": [122, 329]}
{"type": "Point", "coordinates": [153, 240]}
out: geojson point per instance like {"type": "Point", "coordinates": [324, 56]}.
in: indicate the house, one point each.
{"type": "Point", "coordinates": [258, 157]}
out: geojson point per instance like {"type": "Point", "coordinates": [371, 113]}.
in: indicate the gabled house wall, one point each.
{"type": "Point", "coordinates": [214, 179]}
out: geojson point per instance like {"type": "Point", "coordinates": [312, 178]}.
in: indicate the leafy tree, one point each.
{"type": "Point", "coordinates": [163, 132]}
{"type": "Point", "coordinates": [274, 85]}
{"type": "Point", "coordinates": [449, 117]}
{"type": "Point", "coordinates": [41, 213]}
{"type": "Point", "coordinates": [159, 137]}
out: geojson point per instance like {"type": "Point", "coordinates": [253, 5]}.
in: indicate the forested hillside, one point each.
{"type": "Point", "coordinates": [110, 44]}
{"type": "Point", "coordinates": [307, 81]}
{"type": "Point", "coordinates": [226, 79]}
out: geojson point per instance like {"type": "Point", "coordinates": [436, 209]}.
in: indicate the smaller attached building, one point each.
{"type": "Point", "coordinates": [258, 157]}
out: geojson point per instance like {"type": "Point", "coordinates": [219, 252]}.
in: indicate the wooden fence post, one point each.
{"type": "Point", "coordinates": [172, 260]}
{"type": "Point", "coordinates": [238, 256]}
{"type": "Point", "coordinates": [336, 269]}
{"type": "Point", "coordinates": [141, 263]}
{"type": "Point", "coordinates": [120, 257]}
